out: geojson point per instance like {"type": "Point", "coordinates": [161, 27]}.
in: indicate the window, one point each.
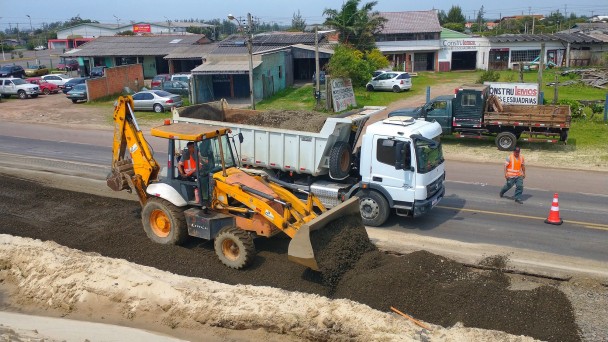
{"type": "Point", "coordinates": [439, 105]}
{"type": "Point", "coordinates": [469, 100]}
{"type": "Point", "coordinates": [280, 73]}
{"type": "Point", "coordinates": [385, 151]}
{"type": "Point", "coordinates": [524, 55]}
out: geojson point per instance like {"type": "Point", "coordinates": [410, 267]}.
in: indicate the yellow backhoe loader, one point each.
{"type": "Point", "coordinates": [219, 201]}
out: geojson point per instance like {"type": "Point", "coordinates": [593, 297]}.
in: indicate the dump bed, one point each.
{"type": "Point", "coordinates": [284, 149]}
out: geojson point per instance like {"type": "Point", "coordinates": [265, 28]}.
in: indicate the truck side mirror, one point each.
{"type": "Point", "coordinates": [241, 138]}
{"type": "Point", "coordinates": [403, 158]}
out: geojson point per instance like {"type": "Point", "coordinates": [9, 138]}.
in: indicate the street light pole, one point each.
{"type": "Point", "coordinates": [32, 33]}
{"type": "Point", "coordinates": [250, 51]}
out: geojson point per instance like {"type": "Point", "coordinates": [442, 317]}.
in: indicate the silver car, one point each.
{"type": "Point", "coordinates": [156, 100]}
{"type": "Point", "coordinates": [392, 80]}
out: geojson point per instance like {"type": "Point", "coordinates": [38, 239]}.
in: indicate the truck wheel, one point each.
{"type": "Point", "coordinates": [506, 141]}
{"type": "Point", "coordinates": [374, 208]}
{"type": "Point", "coordinates": [163, 222]}
{"type": "Point", "coordinates": [339, 160]}
{"type": "Point", "coordinates": [158, 108]}
{"type": "Point", "coordinates": [396, 89]}
{"type": "Point", "coordinates": [563, 136]}
{"type": "Point", "coordinates": [234, 247]}
{"type": "Point", "coordinates": [22, 95]}
{"type": "Point", "coordinates": [369, 87]}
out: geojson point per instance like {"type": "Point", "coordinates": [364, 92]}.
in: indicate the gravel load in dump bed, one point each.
{"type": "Point", "coordinates": [429, 287]}
{"type": "Point", "coordinates": [287, 119]}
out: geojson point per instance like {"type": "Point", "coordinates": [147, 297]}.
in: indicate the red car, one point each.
{"type": "Point", "coordinates": [69, 64]}
{"type": "Point", "coordinates": [45, 87]}
{"type": "Point", "coordinates": [159, 79]}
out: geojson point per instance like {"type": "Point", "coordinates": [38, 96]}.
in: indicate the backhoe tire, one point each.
{"type": "Point", "coordinates": [163, 222]}
{"type": "Point", "coordinates": [234, 247]}
{"type": "Point", "coordinates": [506, 141]}
{"type": "Point", "coordinates": [374, 208]}
{"type": "Point", "coordinates": [340, 157]}
{"type": "Point", "coordinates": [158, 108]}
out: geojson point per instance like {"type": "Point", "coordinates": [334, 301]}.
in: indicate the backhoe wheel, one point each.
{"type": "Point", "coordinates": [374, 208]}
{"type": "Point", "coordinates": [234, 247]}
{"type": "Point", "coordinates": [340, 160]}
{"type": "Point", "coordinates": [163, 222]}
{"type": "Point", "coordinates": [506, 141]}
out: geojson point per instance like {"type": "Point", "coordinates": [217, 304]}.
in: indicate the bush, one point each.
{"type": "Point", "coordinates": [575, 107]}
{"type": "Point", "coordinates": [488, 76]}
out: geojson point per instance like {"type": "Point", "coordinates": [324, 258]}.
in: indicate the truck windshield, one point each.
{"type": "Point", "coordinates": [429, 155]}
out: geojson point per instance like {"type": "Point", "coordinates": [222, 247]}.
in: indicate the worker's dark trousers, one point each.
{"type": "Point", "coordinates": [519, 186]}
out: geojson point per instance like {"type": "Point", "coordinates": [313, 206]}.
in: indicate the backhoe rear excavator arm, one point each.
{"type": "Point", "coordinates": [135, 171]}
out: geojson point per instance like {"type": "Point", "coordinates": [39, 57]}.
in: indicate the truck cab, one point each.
{"type": "Point", "coordinates": [404, 163]}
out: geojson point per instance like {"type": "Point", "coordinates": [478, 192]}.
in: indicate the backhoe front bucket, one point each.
{"type": "Point", "coordinates": [300, 248]}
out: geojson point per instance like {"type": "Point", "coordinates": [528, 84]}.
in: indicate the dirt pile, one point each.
{"type": "Point", "coordinates": [427, 286]}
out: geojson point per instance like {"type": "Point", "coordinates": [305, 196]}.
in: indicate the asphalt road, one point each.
{"type": "Point", "coordinates": [471, 211]}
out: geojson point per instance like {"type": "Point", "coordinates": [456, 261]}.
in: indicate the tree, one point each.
{"type": "Point", "coordinates": [442, 17]}
{"type": "Point", "coordinates": [454, 26]}
{"type": "Point", "coordinates": [298, 24]}
{"type": "Point", "coordinates": [356, 26]}
{"type": "Point", "coordinates": [455, 16]}
{"type": "Point", "coordinates": [348, 62]}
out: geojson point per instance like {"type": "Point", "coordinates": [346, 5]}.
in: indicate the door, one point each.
{"type": "Point", "coordinates": [438, 111]}
{"type": "Point", "coordinates": [383, 171]}
{"type": "Point", "coordinates": [143, 101]}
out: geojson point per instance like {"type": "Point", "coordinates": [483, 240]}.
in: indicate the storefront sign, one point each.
{"type": "Point", "coordinates": [141, 28]}
{"type": "Point", "coordinates": [460, 44]}
{"type": "Point", "coordinates": [342, 94]}
{"type": "Point", "coordinates": [515, 93]}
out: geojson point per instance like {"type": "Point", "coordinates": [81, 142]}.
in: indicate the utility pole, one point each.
{"type": "Point", "coordinates": [318, 87]}
{"type": "Point", "coordinates": [250, 46]}
{"type": "Point", "coordinates": [32, 33]}
{"type": "Point", "coordinates": [541, 66]}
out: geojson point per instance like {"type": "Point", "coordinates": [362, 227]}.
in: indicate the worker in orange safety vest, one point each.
{"type": "Point", "coordinates": [515, 172]}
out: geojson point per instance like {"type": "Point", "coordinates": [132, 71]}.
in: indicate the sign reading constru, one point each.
{"type": "Point", "coordinates": [342, 94]}
{"type": "Point", "coordinates": [141, 28]}
{"type": "Point", "coordinates": [515, 93]}
{"type": "Point", "coordinates": [460, 44]}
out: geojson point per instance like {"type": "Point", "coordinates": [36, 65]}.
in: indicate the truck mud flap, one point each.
{"type": "Point", "coordinates": [300, 248]}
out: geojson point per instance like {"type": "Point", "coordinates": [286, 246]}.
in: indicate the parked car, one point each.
{"type": "Point", "coordinates": [156, 100]}
{"type": "Point", "coordinates": [12, 71]}
{"type": "Point", "coordinates": [379, 72]}
{"type": "Point", "coordinates": [17, 86]}
{"type": "Point", "coordinates": [98, 71]}
{"type": "Point", "coordinates": [175, 87]}
{"type": "Point", "coordinates": [68, 64]}
{"type": "Point", "coordinates": [36, 70]}
{"type": "Point", "coordinates": [40, 48]}
{"type": "Point", "coordinates": [57, 79]}
{"type": "Point", "coordinates": [160, 78]}
{"type": "Point", "coordinates": [78, 93]}
{"type": "Point", "coordinates": [390, 80]}
{"type": "Point", "coordinates": [71, 83]}
{"type": "Point", "coordinates": [45, 87]}
{"type": "Point", "coordinates": [181, 77]}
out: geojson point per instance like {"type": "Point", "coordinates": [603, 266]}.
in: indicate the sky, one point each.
{"type": "Point", "coordinates": [13, 12]}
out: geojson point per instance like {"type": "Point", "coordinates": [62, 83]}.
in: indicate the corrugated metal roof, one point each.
{"type": "Point", "coordinates": [451, 34]}
{"type": "Point", "coordinates": [242, 49]}
{"type": "Point", "coordinates": [312, 48]}
{"type": "Point", "coordinates": [192, 51]}
{"type": "Point", "coordinates": [159, 45]}
{"type": "Point", "coordinates": [410, 22]}
{"type": "Point", "coordinates": [212, 67]}
{"type": "Point", "coordinates": [577, 38]}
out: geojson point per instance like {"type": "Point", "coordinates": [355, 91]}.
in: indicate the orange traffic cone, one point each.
{"type": "Point", "coordinates": [554, 213]}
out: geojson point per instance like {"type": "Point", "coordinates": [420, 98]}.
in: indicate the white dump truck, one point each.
{"type": "Point", "coordinates": [398, 163]}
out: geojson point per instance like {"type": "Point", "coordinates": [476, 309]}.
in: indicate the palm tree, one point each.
{"type": "Point", "coordinates": [356, 26]}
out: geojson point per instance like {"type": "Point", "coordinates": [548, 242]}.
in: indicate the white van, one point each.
{"type": "Point", "coordinates": [181, 77]}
